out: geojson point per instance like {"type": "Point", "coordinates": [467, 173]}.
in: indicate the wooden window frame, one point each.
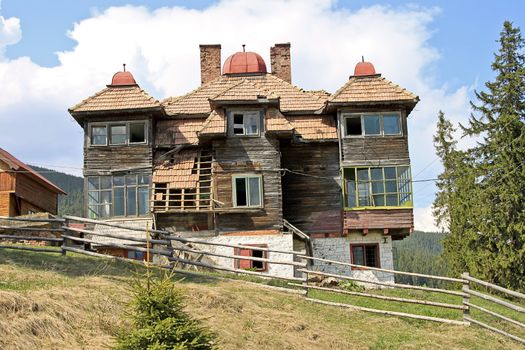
{"type": "Point", "coordinates": [408, 203]}
{"type": "Point", "coordinates": [364, 245]}
{"type": "Point", "coordinates": [244, 112]}
{"type": "Point", "coordinates": [237, 262]}
{"type": "Point", "coordinates": [108, 126]}
{"type": "Point", "coordinates": [362, 116]}
{"type": "Point", "coordinates": [234, 190]}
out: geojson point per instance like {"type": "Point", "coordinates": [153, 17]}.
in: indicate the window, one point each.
{"type": "Point", "coordinates": [378, 187]}
{"type": "Point", "coordinates": [99, 135]}
{"type": "Point", "coordinates": [122, 133]}
{"type": "Point", "coordinates": [247, 191]}
{"type": "Point", "coordinates": [376, 124]}
{"type": "Point", "coordinates": [124, 195]}
{"type": "Point", "coordinates": [243, 264]}
{"type": "Point", "coordinates": [365, 254]}
{"type": "Point", "coordinates": [245, 123]}
{"type": "Point", "coordinates": [135, 255]}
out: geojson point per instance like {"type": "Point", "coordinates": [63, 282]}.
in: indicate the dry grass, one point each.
{"type": "Point", "coordinates": [79, 303]}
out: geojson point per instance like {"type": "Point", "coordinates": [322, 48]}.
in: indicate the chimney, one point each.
{"type": "Point", "coordinates": [281, 62]}
{"type": "Point", "coordinates": [210, 62]}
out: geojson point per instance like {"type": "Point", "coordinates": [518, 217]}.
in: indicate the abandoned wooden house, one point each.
{"type": "Point", "coordinates": [24, 191]}
{"type": "Point", "coordinates": [249, 158]}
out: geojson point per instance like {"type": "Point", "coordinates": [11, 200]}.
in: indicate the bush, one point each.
{"type": "Point", "coordinates": [351, 286]}
{"type": "Point", "coordinates": [159, 321]}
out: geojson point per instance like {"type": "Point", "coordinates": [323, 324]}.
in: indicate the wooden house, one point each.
{"type": "Point", "coordinates": [246, 152]}
{"type": "Point", "coordinates": [24, 191]}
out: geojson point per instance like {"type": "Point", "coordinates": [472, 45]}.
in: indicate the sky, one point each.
{"type": "Point", "coordinates": [55, 53]}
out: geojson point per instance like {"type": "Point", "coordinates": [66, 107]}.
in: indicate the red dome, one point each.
{"type": "Point", "coordinates": [123, 78]}
{"type": "Point", "coordinates": [364, 68]}
{"type": "Point", "coordinates": [244, 62]}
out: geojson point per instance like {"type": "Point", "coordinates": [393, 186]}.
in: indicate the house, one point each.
{"type": "Point", "coordinates": [24, 191]}
{"type": "Point", "coordinates": [247, 152]}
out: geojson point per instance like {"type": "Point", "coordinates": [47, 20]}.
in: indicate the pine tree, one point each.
{"type": "Point", "coordinates": [487, 209]}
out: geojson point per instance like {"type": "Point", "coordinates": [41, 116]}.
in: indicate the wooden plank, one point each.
{"type": "Point", "coordinates": [128, 238]}
{"type": "Point", "coordinates": [497, 301]}
{"type": "Point", "coordinates": [496, 330]}
{"type": "Point", "coordinates": [383, 297]}
{"type": "Point", "coordinates": [35, 229]}
{"type": "Point", "coordinates": [118, 245]}
{"type": "Point", "coordinates": [104, 223]}
{"type": "Point", "coordinates": [495, 314]}
{"type": "Point", "coordinates": [390, 313]}
{"type": "Point", "coordinates": [363, 267]}
{"type": "Point", "coordinates": [43, 250]}
{"type": "Point", "coordinates": [31, 238]}
{"type": "Point", "coordinates": [496, 287]}
{"type": "Point", "coordinates": [8, 218]}
{"type": "Point", "coordinates": [392, 285]}
{"type": "Point", "coordinates": [245, 272]}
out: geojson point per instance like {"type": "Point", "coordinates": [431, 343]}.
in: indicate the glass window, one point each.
{"type": "Point", "coordinates": [391, 124]}
{"type": "Point", "coordinates": [372, 125]}
{"type": "Point", "coordinates": [98, 135]}
{"type": "Point", "coordinates": [245, 264]}
{"type": "Point", "coordinates": [378, 187]}
{"type": "Point", "coordinates": [143, 200]}
{"type": "Point", "coordinates": [245, 123]}
{"type": "Point", "coordinates": [118, 201]}
{"type": "Point", "coordinates": [358, 255]}
{"type": "Point", "coordinates": [365, 255]}
{"type": "Point", "coordinates": [251, 124]}
{"type": "Point", "coordinates": [247, 191]}
{"type": "Point", "coordinates": [131, 201]}
{"type": "Point", "coordinates": [118, 134]}
{"type": "Point", "coordinates": [353, 126]}
{"type": "Point", "coordinates": [137, 132]}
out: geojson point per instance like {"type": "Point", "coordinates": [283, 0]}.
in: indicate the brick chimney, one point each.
{"type": "Point", "coordinates": [210, 62]}
{"type": "Point", "coordinates": [281, 62]}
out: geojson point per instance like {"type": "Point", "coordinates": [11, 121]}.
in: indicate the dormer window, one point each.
{"type": "Point", "coordinates": [372, 124]}
{"type": "Point", "coordinates": [245, 123]}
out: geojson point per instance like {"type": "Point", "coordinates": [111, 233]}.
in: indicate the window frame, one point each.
{"type": "Point", "coordinates": [348, 115]}
{"type": "Point", "coordinates": [137, 186]}
{"type": "Point", "coordinates": [244, 112]}
{"type": "Point", "coordinates": [408, 204]}
{"type": "Point", "coordinates": [234, 190]}
{"type": "Point", "coordinates": [364, 245]}
{"type": "Point", "coordinates": [265, 254]}
{"type": "Point", "coordinates": [108, 126]}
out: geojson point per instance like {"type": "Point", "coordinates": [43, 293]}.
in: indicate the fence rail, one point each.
{"type": "Point", "coordinates": [190, 251]}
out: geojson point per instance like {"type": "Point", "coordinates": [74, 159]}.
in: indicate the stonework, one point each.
{"type": "Point", "coordinates": [278, 242]}
{"type": "Point", "coordinates": [138, 223]}
{"type": "Point", "coordinates": [281, 62]}
{"type": "Point", "coordinates": [339, 249]}
{"type": "Point", "coordinates": [210, 62]}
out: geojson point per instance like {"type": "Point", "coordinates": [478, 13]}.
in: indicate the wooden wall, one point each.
{"type": "Point", "coordinates": [7, 181]}
{"type": "Point", "coordinates": [182, 221]}
{"type": "Point", "coordinates": [6, 205]}
{"type": "Point", "coordinates": [379, 219]}
{"type": "Point", "coordinates": [248, 155]}
{"type": "Point", "coordinates": [312, 203]}
{"type": "Point", "coordinates": [35, 195]}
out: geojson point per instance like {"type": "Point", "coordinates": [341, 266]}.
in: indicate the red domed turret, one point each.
{"type": "Point", "coordinates": [123, 79]}
{"type": "Point", "coordinates": [364, 68]}
{"type": "Point", "coordinates": [244, 62]}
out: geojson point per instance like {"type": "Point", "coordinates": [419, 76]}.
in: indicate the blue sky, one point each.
{"type": "Point", "coordinates": [441, 50]}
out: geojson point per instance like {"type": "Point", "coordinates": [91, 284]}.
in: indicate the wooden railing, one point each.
{"type": "Point", "coordinates": [168, 250]}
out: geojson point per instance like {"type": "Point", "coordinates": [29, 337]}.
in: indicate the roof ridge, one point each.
{"type": "Point", "coordinates": [297, 88]}
{"type": "Point", "coordinates": [198, 88]}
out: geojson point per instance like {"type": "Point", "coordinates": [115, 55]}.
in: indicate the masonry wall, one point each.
{"type": "Point", "coordinates": [339, 249]}
{"type": "Point", "coordinates": [278, 241]}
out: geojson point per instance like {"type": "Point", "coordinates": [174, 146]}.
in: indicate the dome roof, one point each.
{"type": "Point", "coordinates": [244, 62]}
{"type": "Point", "coordinates": [123, 79]}
{"type": "Point", "coordinates": [364, 68]}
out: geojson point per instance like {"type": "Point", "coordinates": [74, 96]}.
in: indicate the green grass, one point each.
{"type": "Point", "coordinates": [79, 302]}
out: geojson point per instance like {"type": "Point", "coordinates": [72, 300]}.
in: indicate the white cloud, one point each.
{"type": "Point", "coordinates": [160, 47]}
{"type": "Point", "coordinates": [424, 221]}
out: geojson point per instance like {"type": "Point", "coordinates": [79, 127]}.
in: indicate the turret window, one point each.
{"type": "Point", "coordinates": [372, 124]}
{"type": "Point", "coordinates": [118, 134]}
{"type": "Point", "coordinates": [245, 123]}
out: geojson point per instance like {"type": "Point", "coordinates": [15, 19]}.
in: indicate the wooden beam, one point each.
{"type": "Point", "coordinates": [484, 325]}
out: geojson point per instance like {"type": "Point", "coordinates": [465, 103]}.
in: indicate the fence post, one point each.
{"type": "Point", "coordinates": [466, 298]}
{"type": "Point", "coordinates": [305, 276]}
{"type": "Point", "coordinates": [65, 223]}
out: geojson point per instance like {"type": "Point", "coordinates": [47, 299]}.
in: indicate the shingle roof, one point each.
{"type": "Point", "coordinates": [292, 98]}
{"type": "Point", "coordinates": [178, 131]}
{"type": "Point", "coordinates": [314, 127]}
{"type": "Point", "coordinates": [215, 124]}
{"type": "Point", "coordinates": [276, 121]}
{"type": "Point", "coordinates": [371, 88]}
{"type": "Point", "coordinates": [177, 173]}
{"type": "Point", "coordinates": [21, 167]}
{"type": "Point", "coordinates": [116, 98]}
{"type": "Point", "coordinates": [244, 90]}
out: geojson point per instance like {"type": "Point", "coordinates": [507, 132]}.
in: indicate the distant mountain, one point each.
{"type": "Point", "coordinates": [72, 204]}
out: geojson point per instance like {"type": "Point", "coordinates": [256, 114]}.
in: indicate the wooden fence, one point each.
{"type": "Point", "coordinates": [166, 249]}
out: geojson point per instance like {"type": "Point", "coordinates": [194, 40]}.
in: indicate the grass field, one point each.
{"type": "Point", "coordinates": [77, 302]}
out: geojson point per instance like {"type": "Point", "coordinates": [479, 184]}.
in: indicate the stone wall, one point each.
{"type": "Point", "coordinates": [278, 242]}
{"type": "Point", "coordinates": [339, 249]}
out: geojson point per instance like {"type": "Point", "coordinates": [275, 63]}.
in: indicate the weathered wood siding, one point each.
{"type": "Point", "coordinates": [183, 221]}
{"type": "Point", "coordinates": [249, 155]}
{"type": "Point", "coordinates": [7, 181]}
{"type": "Point", "coordinates": [102, 159]}
{"type": "Point", "coordinates": [6, 205]}
{"type": "Point", "coordinates": [378, 219]}
{"type": "Point", "coordinates": [312, 202]}
{"type": "Point", "coordinates": [376, 150]}
{"type": "Point", "coordinates": [35, 195]}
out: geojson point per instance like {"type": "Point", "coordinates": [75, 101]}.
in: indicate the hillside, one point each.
{"type": "Point", "coordinates": [78, 302]}
{"type": "Point", "coordinates": [72, 204]}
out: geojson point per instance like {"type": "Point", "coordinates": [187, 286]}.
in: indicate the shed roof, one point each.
{"type": "Point", "coordinates": [19, 166]}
